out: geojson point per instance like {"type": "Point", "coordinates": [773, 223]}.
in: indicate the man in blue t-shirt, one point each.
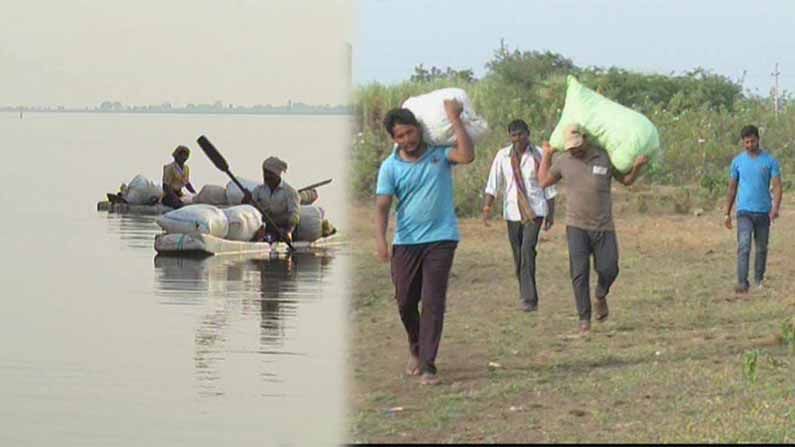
{"type": "Point", "coordinates": [753, 171]}
{"type": "Point", "coordinates": [426, 235]}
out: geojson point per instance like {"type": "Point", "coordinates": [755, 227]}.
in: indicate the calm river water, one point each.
{"type": "Point", "coordinates": [103, 343]}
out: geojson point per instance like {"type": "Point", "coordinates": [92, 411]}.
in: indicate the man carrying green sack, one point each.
{"type": "Point", "coordinates": [588, 172]}
{"type": "Point", "coordinates": [624, 133]}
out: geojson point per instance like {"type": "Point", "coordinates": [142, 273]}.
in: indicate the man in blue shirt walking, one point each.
{"type": "Point", "coordinates": [753, 171]}
{"type": "Point", "coordinates": [426, 235]}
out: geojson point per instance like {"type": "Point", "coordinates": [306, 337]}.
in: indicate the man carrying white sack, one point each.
{"type": "Point", "coordinates": [276, 198]}
{"type": "Point", "coordinates": [526, 206]}
{"type": "Point", "coordinates": [419, 176]}
{"type": "Point", "coordinates": [587, 171]}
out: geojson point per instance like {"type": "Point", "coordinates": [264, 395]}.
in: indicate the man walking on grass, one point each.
{"type": "Point", "coordinates": [753, 171]}
{"type": "Point", "coordinates": [426, 234]}
{"type": "Point", "coordinates": [587, 171]}
{"type": "Point", "coordinates": [526, 206]}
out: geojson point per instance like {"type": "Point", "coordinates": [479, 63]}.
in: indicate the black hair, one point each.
{"type": "Point", "coordinates": [518, 125]}
{"type": "Point", "coordinates": [749, 131]}
{"type": "Point", "coordinates": [399, 116]}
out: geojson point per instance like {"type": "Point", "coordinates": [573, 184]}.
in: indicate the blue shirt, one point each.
{"type": "Point", "coordinates": [753, 175]}
{"type": "Point", "coordinates": [424, 191]}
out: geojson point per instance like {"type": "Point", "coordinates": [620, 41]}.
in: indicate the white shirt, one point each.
{"type": "Point", "coordinates": [501, 179]}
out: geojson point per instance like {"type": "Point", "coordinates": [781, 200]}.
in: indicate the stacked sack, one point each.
{"type": "Point", "coordinates": [141, 191]}
{"type": "Point", "coordinates": [234, 196]}
{"type": "Point", "coordinates": [237, 223]}
{"type": "Point", "coordinates": [211, 195]}
{"type": "Point", "coordinates": [624, 133]}
{"type": "Point", "coordinates": [310, 225]}
{"type": "Point", "coordinates": [244, 221]}
{"type": "Point", "coordinates": [199, 218]}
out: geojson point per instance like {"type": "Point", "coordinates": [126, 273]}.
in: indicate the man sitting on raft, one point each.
{"type": "Point", "coordinates": [276, 198]}
{"type": "Point", "coordinates": [176, 176]}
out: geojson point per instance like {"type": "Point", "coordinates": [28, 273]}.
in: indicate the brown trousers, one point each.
{"type": "Point", "coordinates": [420, 273]}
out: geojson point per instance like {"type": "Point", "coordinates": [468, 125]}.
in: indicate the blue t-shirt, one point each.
{"type": "Point", "coordinates": [424, 192]}
{"type": "Point", "coordinates": [753, 175]}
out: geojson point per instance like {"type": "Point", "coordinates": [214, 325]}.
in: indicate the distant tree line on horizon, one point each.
{"type": "Point", "coordinates": [216, 108]}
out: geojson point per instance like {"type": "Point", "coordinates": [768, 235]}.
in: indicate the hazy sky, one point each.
{"type": "Point", "coordinates": [82, 52]}
{"type": "Point", "coordinates": [725, 36]}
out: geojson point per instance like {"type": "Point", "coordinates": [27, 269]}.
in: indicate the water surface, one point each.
{"type": "Point", "coordinates": [104, 343]}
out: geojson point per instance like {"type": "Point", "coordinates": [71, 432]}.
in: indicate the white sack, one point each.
{"type": "Point", "coordinates": [211, 195]}
{"type": "Point", "coordinates": [310, 227]}
{"type": "Point", "coordinates": [205, 219]}
{"type": "Point", "coordinates": [437, 129]}
{"type": "Point", "coordinates": [234, 196]}
{"type": "Point", "coordinates": [244, 221]}
{"type": "Point", "coordinates": [142, 191]}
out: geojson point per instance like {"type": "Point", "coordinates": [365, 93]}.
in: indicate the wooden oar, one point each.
{"type": "Point", "coordinates": [315, 185]}
{"type": "Point", "coordinates": [220, 163]}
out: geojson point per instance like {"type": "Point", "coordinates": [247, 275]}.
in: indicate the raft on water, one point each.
{"type": "Point", "coordinates": [197, 244]}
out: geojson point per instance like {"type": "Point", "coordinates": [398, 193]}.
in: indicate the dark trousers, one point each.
{"type": "Point", "coordinates": [524, 238]}
{"type": "Point", "coordinates": [756, 225]}
{"type": "Point", "coordinates": [603, 245]}
{"type": "Point", "coordinates": [172, 199]}
{"type": "Point", "coordinates": [420, 273]}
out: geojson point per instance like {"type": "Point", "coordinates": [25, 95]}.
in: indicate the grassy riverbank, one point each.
{"type": "Point", "coordinates": [681, 359]}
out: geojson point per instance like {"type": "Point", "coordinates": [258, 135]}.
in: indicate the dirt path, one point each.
{"type": "Point", "coordinates": [674, 362]}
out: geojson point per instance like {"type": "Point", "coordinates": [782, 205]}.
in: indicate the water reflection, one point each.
{"type": "Point", "coordinates": [279, 292]}
{"type": "Point", "coordinates": [138, 231]}
{"type": "Point", "coordinates": [233, 291]}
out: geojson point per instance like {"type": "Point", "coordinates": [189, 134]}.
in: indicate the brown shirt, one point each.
{"type": "Point", "coordinates": [587, 181]}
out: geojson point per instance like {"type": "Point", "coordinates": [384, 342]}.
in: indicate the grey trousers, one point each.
{"type": "Point", "coordinates": [524, 238]}
{"type": "Point", "coordinates": [603, 245]}
{"type": "Point", "coordinates": [756, 226]}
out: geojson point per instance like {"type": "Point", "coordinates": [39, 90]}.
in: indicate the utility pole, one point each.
{"type": "Point", "coordinates": [775, 75]}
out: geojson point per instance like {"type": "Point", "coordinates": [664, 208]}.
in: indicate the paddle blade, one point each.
{"type": "Point", "coordinates": [213, 154]}
{"type": "Point", "coordinates": [315, 185]}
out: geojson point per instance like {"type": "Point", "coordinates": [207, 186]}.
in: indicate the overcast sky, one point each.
{"type": "Point", "coordinates": [81, 52]}
{"type": "Point", "coordinates": [725, 36]}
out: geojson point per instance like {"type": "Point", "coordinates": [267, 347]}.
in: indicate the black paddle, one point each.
{"type": "Point", "coordinates": [220, 163]}
{"type": "Point", "coordinates": [315, 185]}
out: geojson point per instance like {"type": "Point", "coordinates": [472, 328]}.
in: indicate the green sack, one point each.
{"type": "Point", "coordinates": [624, 133]}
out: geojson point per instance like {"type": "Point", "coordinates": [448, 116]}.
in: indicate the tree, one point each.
{"type": "Point", "coordinates": [421, 74]}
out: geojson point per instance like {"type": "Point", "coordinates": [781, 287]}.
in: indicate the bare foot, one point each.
{"type": "Point", "coordinates": [429, 379]}
{"type": "Point", "coordinates": [413, 365]}
{"type": "Point", "coordinates": [585, 328]}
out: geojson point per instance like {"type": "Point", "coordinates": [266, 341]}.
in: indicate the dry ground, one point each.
{"type": "Point", "coordinates": [681, 359]}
